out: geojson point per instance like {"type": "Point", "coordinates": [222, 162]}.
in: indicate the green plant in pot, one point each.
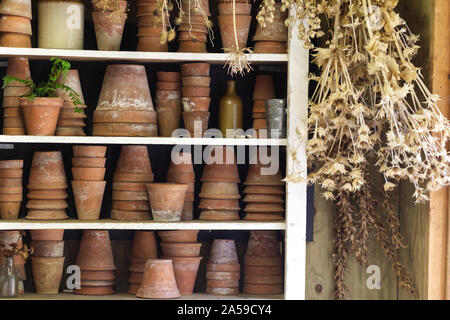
{"type": "Point", "coordinates": [40, 105]}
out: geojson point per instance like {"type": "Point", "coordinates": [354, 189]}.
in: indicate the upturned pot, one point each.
{"type": "Point", "coordinates": [108, 31]}
{"type": "Point", "coordinates": [196, 104]}
{"type": "Point", "coordinates": [151, 44]}
{"type": "Point", "coordinates": [47, 171]}
{"type": "Point", "coordinates": [168, 104]}
{"type": "Point", "coordinates": [158, 281]}
{"type": "Point", "coordinates": [41, 115]}
{"type": "Point", "coordinates": [166, 200]}
{"type": "Point", "coordinates": [226, 8]}
{"type": "Point", "coordinates": [168, 85]}
{"type": "Point", "coordinates": [89, 151]}
{"type": "Point", "coordinates": [220, 190]}
{"type": "Point", "coordinates": [264, 190]}
{"type": "Point", "coordinates": [168, 122]}
{"type": "Point", "coordinates": [88, 174]}
{"type": "Point", "coordinates": [181, 162]}
{"type": "Point", "coordinates": [11, 164]}
{"type": "Point", "coordinates": [18, 68]}
{"type": "Point", "coordinates": [256, 177]}
{"type": "Point", "coordinates": [264, 87]}
{"type": "Point", "coordinates": [196, 81]}
{"type": "Point", "coordinates": [88, 162]}
{"type": "Point", "coordinates": [168, 95]}
{"type": "Point", "coordinates": [192, 45]}
{"type": "Point", "coordinates": [270, 47]}
{"type": "Point", "coordinates": [177, 236]}
{"type": "Point", "coordinates": [10, 210]}
{"type": "Point", "coordinates": [134, 159]}
{"type": "Point", "coordinates": [219, 204]}
{"type": "Point", "coordinates": [57, 194]}
{"type": "Point", "coordinates": [221, 172]}
{"type": "Point", "coordinates": [195, 69]}
{"type": "Point", "coordinates": [265, 289]}
{"type": "Point", "coordinates": [20, 8]}
{"type": "Point", "coordinates": [15, 24]}
{"type": "Point", "coordinates": [169, 76]}
{"type": "Point", "coordinates": [95, 251]}
{"type": "Point", "coordinates": [274, 31]}
{"type": "Point", "coordinates": [71, 80]}
{"type": "Point", "coordinates": [194, 92]}
{"type": "Point", "coordinates": [144, 245]}
{"type": "Point", "coordinates": [181, 249]}
{"type": "Point", "coordinates": [47, 274]}
{"type": "Point", "coordinates": [120, 5]}
{"type": "Point", "coordinates": [223, 252]}
{"type": "Point", "coordinates": [227, 31]}
{"type": "Point", "coordinates": [88, 196]}
{"type": "Point", "coordinates": [47, 235]}
{"type": "Point", "coordinates": [196, 122]}
{"type": "Point", "coordinates": [48, 249]}
{"type": "Point", "coordinates": [263, 243]}
{"type": "Point", "coordinates": [16, 40]}
{"type": "Point", "coordinates": [185, 270]}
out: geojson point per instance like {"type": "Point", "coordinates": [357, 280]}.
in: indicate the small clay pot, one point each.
{"type": "Point", "coordinates": [219, 215]}
{"type": "Point", "coordinates": [240, 8]}
{"type": "Point", "coordinates": [131, 205]}
{"type": "Point", "coordinates": [222, 283]}
{"type": "Point", "coordinates": [217, 275]}
{"type": "Point", "coordinates": [168, 104]}
{"type": "Point", "coordinates": [47, 204]}
{"type": "Point", "coordinates": [88, 196]}
{"type": "Point", "coordinates": [192, 45]}
{"type": "Point", "coordinates": [16, 40]}
{"type": "Point", "coordinates": [16, 24]}
{"type": "Point", "coordinates": [158, 281]}
{"type": "Point", "coordinates": [264, 207]}
{"type": "Point", "coordinates": [222, 291]}
{"type": "Point", "coordinates": [16, 8]}
{"type": "Point", "coordinates": [11, 190]}
{"type": "Point", "coordinates": [263, 261]}
{"type": "Point", "coordinates": [200, 37]}
{"type": "Point", "coordinates": [177, 236]}
{"type": "Point", "coordinates": [183, 163]}
{"type": "Point", "coordinates": [8, 183]}
{"type": "Point", "coordinates": [57, 194]}
{"type": "Point", "coordinates": [166, 200]}
{"type": "Point", "coordinates": [181, 249]}
{"type": "Point", "coordinates": [223, 252]}
{"type": "Point", "coordinates": [149, 30]}
{"type": "Point", "coordinates": [89, 162]}
{"type": "Point", "coordinates": [196, 122]}
{"type": "Point", "coordinates": [10, 210]}
{"type": "Point", "coordinates": [130, 215]}
{"type": "Point", "coordinates": [188, 211]}
{"type": "Point", "coordinates": [274, 31]}
{"type": "Point", "coordinates": [89, 151]}
{"type": "Point", "coordinates": [95, 251]}
{"type": "Point", "coordinates": [269, 190]}
{"type": "Point", "coordinates": [266, 289]}
{"type": "Point", "coordinates": [195, 69]}
{"type": "Point", "coordinates": [47, 235]}
{"type": "Point", "coordinates": [181, 177]}
{"type": "Point", "coordinates": [11, 197]}
{"type": "Point", "coordinates": [276, 47]}
{"type": "Point", "coordinates": [263, 216]}
{"type": "Point", "coordinates": [196, 7]}
{"type": "Point", "coordinates": [263, 279]}
{"type": "Point", "coordinates": [220, 190]}
{"type": "Point", "coordinates": [264, 88]}
{"type": "Point", "coordinates": [46, 214]}
{"type": "Point", "coordinates": [264, 198]}
{"type": "Point", "coordinates": [167, 95]}
{"type": "Point", "coordinates": [196, 81]}
{"type": "Point", "coordinates": [98, 275]}
{"type": "Point", "coordinates": [11, 173]}
{"type": "Point", "coordinates": [144, 245]}
{"type": "Point", "coordinates": [185, 270]}
{"type": "Point", "coordinates": [263, 243]}
{"type": "Point", "coordinates": [151, 44]}
{"type": "Point", "coordinates": [168, 122]}
{"type": "Point", "coordinates": [134, 159]}
{"type": "Point", "coordinates": [88, 174]}
{"type": "Point", "coordinates": [129, 186]}
{"type": "Point", "coordinates": [220, 173]}
{"type": "Point", "coordinates": [130, 195]}
{"type": "Point", "coordinates": [193, 92]}
{"type": "Point", "coordinates": [108, 31]}
{"type": "Point", "coordinates": [132, 177]}
{"type": "Point", "coordinates": [168, 76]}
{"type": "Point", "coordinates": [71, 80]}
{"type": "Point", "coordinates": [18, 67]}
{"type": "Point", "coordinates": [41, 115]}
{"type": "Point", "coordinates": [256, 178]}
{"type": "Point", "coordinates": [47, 274]}
{"type": "Point", "coordinates": [168, 85]}
{"type": "Point", "coordinates": [47, 171]}
{"type": "Point", "coordinates": [48, 249]}
{"type": "Point", "coordinates": [226, 27]}
{"type": "Point", "coordinates": [70, 131]}
{"type": "Point", "coordinates": [222, 267]}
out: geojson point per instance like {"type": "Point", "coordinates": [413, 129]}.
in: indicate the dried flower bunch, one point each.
{"type": "Point", "coordinates": [370, 105]}
{"type": "Point", "coordinates": [113, 6]}
{"type": "Point", "coordinates": [9, 250]}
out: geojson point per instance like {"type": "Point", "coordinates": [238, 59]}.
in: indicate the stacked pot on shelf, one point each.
{"type": "Point", "coordinates": [133, 171]}
{"type": "Point", "coordinates": [242, 18]}
{"type": "Point", "coordinates": [11, 190]}
{"type": "Point", "coordinates": [13, 122]}
{"type": "Point", "coordinates": [144, 248]}
{"type": "Point", "coordinates": [96, 261]}
{"type": "Point", "coordinates": [263, 264]}
{"type": "Point", "coordinates": [223, 270]}
{"type": "Point", "coordinates": [125, 106]}
{"type": "Point", "coordinates": [264, 90]}
{"type": "Point", "coordinates": [168, 102]}
{"type": "Point", "coordinates": [109, 27]}
{"type": "Point", "coordinates": [272, 38]}
{"type": "Point", "coordinates": [47, 186]}
{"type": "Point", "coordinates": [7, 238]}
{"type": "Point", "coordinates": [15, 23]}
{"type": "Point", "coordinates": [182, 248]}
{"type": "Point", "coordinates": [166, 200]}
{"type": "Point", "coordinates": [196, 97]}
{"type": "Point", "coordinates": [150, 26]}
{"type": "Point", "coordinates": [158, 281]}
{"type": "Point", "coordinates": [88, 184]}
{"type": "Point", "coordinates": [193, 31]}
{"type": "Point", "coordinates": [220, 189]}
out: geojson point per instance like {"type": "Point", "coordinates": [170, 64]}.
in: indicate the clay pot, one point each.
{"type": "Point", "coordinates": [181, 177]}
{"type": "Point", "coordinates": [57, 194]}
{"type": "Point", "coordinates": [269, 190]}
{"type": "Point", "coordinates": [192, 36]}
{"type": "Point", "coordinates": [134, 159]}
{"type": "Point", "coordinates": [223, 252]}
{"type": "Point", "coordinates": [188, 211]}
{"type": "Point", "coordinates": [88, 196]}
{"type": "Point", "coordinates": [264, 207]}
{"type": "Point", "coordinates": [72, 80]}
{"type": "Point", "coordinates": [125, 87]}
{"type": "Point", "coordinates": [168, 122]}
{"type": "Point", "coordinates": [151, 44]}
{"type": "Point", "coordinates": [263, 243]}
{"type": "Point", "coordinates": [222, 267]}
{"type": "Point", "coordinates": [220, 173]}
{"type": "Point", "coordinates": [16, 40]}
{"type": "Point", "coordinates": [8, 183]}
{"type": "Point", "coordinates": [263, 216]}
{"type": "Point", "coordinates": [274, 31]}
{"type": "Point", "coordinates": [158, 281]}
{"type": "Point", "coordinates": [270, 47]}
{"type": "Point", "coordinates": [185, 270]}
{"type": "Point", "coordinates": [195, 69]}
{"type": "Point", "coordinates": [18, 68]}
{"type": "Point", "coordinates": [131, 205]}
{"type": "Point", "coordinates": [48, 249]}
{"type": "Point", "coordinates": [125, 129]}
{"type": "Point", "coordinates": [181, 249]}
{"type": "Point", "coordinates": [46, 214]}
{"type": "Point", "coordinates": [130, 215]}
{"type": "Point", "coordinates": [195, 7]}
{"type": "Point", "coordinates": [219, 204]}
{"type": "Point", "coordinates": [167, 95]}
{"type": "Point", "coordinates": [193, 19]}
{"type": "Point", "coordinates": [168, 104]}
{"type": "Point", "coordinates": [192, 45]}
{"type": "Point", "coordinates": [129, 186]}
{"type": "Point", "coordinates": [263, 279]}
{"type": "Point", "coordinates": [100, 291]}
{"type": "Point", "coordinates": [88, 174]}
{"type": "Point", "coordinates": [256, 178]}
{"type": "Point", "coordinates": [47, 204]}
{"type": "Point", "coordinates": [196, 92]}
{"type": "Point", "coordinates": [15, 24]}
{"type": "Point", "coordinates": [264, 270]}
{"type": "Point", "coordinates": [118, 116]}
{"type": "Point", "coordinates": [98, 275]}
{"type": "Point", "coordinates": [264, 198]}
{"type": "Point", "coordinates": [193, 27]}
{"type": "Point", "coordinates": [130, 195]}
{"type": "Point", "coordinates": [11, 197]}
{"type": "Point", "coordinates": [216, 275]}
{"type": "Point", "coordinates": [212, 283]}
{"type": "Point", "coordinates": [168, 76]}
{"type": "Point", "coordinates": [41, 115]}
{"type": "Point", "coordinates": [168, 85]}
{"type": "Point", "coordinates": [108, 31]}
{"type": "Point", "coordinates": [166, 200]}
{"type": "Point", "coordinates": [263, 261]}
{"type": "Point", "coordinates": [196, 82]}
{"type": "Point", "coordinates": [20, 8]}
{"type": "Point", "coordinates": [120, 5]}
{"type": "Point", "coordinates": [88, 162]}
{"type": "Point", "coordinates": [144, 245]}
{"type": "Point", "coordinates": [47, 235]}
{"type": "Point", "coordinates": [264, 88]}
{"type": "Point", "coordinates": [177, 236]}
{"type": "Point", "coordinates": [149, 30]}
{"type": "Point", "coordinates": [220, 190]}
{"type": "Point", "coordinates": [47, 274]}
{"type": "Point", "coordinates": [47, 171]}
{"type": "Point", "coordinates": [15, 91]}
{"type": "Point", "coordinates": [10, 210]}
{"type": "Point", "coordinates": [266, 289]}
{"type": "Point", "coordinates": [226, 8]}
{"type": "Point", "coordinates": [11, 173]}
{"type": "Point", "coordinates": [196, 122]}
{"type": "Point", "coordinates": [222, 291]}
{"type": "Point", "coordinates": [70, 131]}
{"type": "Point", "coordinates": [226, 27]}
{"type": "Point", "coordinates": [95, 251]}
{"type": "Point", "coordinates": [183, 163]}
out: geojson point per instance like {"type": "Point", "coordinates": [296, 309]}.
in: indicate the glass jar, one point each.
{"type": "Point", "coordinates": [61, 24]}
{"type": "Point", "coordinates": [230, 110]}
{"type": "Point", "coordinates": [9, 282]}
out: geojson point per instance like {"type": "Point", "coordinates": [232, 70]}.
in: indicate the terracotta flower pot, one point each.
{"type": "Point", "coordinates": [219, 275]}
{"type": "Point", "coordinates": [168, 85]}
{"type": "Point", "coordinates": [264, 270]}
{"type": "Point", "coordinates": [194, 92]}
{"type": "Point", "coordinates": [98, 275]}
{"type": "Point", "coordinates": [219, 215]}
{"type": "Point", "coordinates": [263, 261]}
{"type": "Point", "coordinates": [219, 204]}
{"type": "Point", "coordinates": [144, 245]}
{"type": "Point", "coordinates": [47, 235]}
{"type": "Point", "coordinates": [18, 68]}
{"type": "Point", "coordinates": [181, 249]}
{"type": "Point", "coordinates": [226, 27]}
{"type": "Point", "coordinates": [223, 252]}
{"type": "Point", "coordinates": [196, 122]}
{"type": "Point", "coordinates": [15, 24]}
{"type": "Point", "coordinates": [129, 186]}
{"type": "Point", "coordinates": [196, 81]}
{"type": "Point", "coordinates": [131, 205]}
{"type": "Point", "coordinates": [89, 151]}
{"type": "Point", "coordinates": [177, 236]}
{"type": "Point", "coordinates": [263, 243]}
{"type": "Point", "coordinates": [95, 251]}
{"type": "Point", "coordinates": [125, 87]}
{"type": "Point", "coordinates": [158, 281]}
{"type": "Point", "coordinates": [46, 214]}
{"type": "Point", "coordinates": [270, 47]}
{"type": "Point", "coordinates": [108, 31]}
{"type": "Point", "coordinates": [168, 104]}
{"type": "Point", "coordinates": [47, 204]}
{"type": "Point", "coordinates": [222, 283]}
{"type": "Point", "coordinates": [264, 198]}
{"type": "Point", "coordinates": [222, 291]}
{"type": "Point", "coordinates": [226, 8]}
{"type": "Point", "coordinates": [255, 177]}
{"type": "Point", "coordinates": [266, 289]}
{"type": "Point", "coordinates": [167, 95]}
{"type": "Point", "coordinates": [125, 129]}
{"type": "Point", "coordinates": [264, 87]}
{"type": "Point", "coordinates": [41, 115]}
{"type": "Point", "coordinates": [264, 207]}
{"type": "Point", "coordinates": [88, 174]}
{"type": "Point", "coordinates": [168, 76]}
{"type": "Point", "coordinates": [47, 171]}
{"type": "Point", "coordinates": [185, 270]}
{"type": "Point", "coordinates": [195, 7]}
{"type": "Point", "coordinates": [195, 69]}
{"type": "Point", "coordinates": [270, 190]}
{"type": "Point", "coordinates": [181, 177]}
{"type": "Point", "coordinates": [134, 159]}
{"type": "Point", "coordinates": [48, 249]}
{"type": "Point", "coordinates": [121, 5]}
{"type": "Point", "coordinates": [192, 45]}
{"type": "Point", "coordinates": [168, 122]}
{"type": "Point", "coordinates": [16, 40]}
{"type": "Point", "coordinates": [100, 291]}
{"type": "Point", "coordinates": [151, 44]}
{"type": "Point", "coordinates": [130, 195]}
{"type": "Point", "coordinates": [192, 35]}
{"type": "Point", "coordinates": [20, 8]}
{"type": "Point", "coordinates": [88, 197]}
{"type": "Point", "coordinates": [130, 215]}
{"type": "Point", "coordinates": [222, 267]}
{"type": "Point", "coordinates": [274, 31]}
{"type": "Point", "coordinates": [220, 190]}
{"type": "Point", "coordinates": [11, 173]}
{"type": "Point", "coordinates": [57, 194]}
{"type": "Point", "coordinates": [10, 210]}
{"type": "Point", "coordinates": [166, 200]}
{"type": "Point", "coordinates": [149, 30]}
{"type": "Point", "coordinates": [223, 167]}
{"type": "Point", "coordinates": [188, 211]}
{"type": "Point", "coordinates": [47, 274]}
{"type": "Point", "coordinates": [263, 279]}
{"type": "Point", "coordinates": [88, 162]}
{"type": "Point", "coordinates": [73, 81]}
{"type": "Point", "coordinates": [181, 163]}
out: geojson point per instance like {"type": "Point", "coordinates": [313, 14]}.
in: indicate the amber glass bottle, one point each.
{"type": "Point", "coordinates": [230, 109]}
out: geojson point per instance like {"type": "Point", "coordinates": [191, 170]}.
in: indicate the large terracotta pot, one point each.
{"type": "Point", "coordinates": [48, 249]}
{"type": "Point", "coordinates": [144, 245]}
{"type": "Point", "coordinates": [263, 243]}
{"type": "Point", "coordinates": [227, 33]}
{"type": "Point", "coordinates": [166, 200]}
{"type": "Point", "coordinates": [47, 274]}
{"type": "Point", "coordinates": [41, 115]}
{"type": "Point", "coordinates": [95, 251]}
{"type": "Point", "coordinates": [47, 171]}
{"type": "Point", "coordinates": [134, 159]}
{"type": "Point", "coordinates": [108, 31]}
{"type": "Point", "coordinates": [185, 270]}
{"type": "Point", "coordinates": [223, 252]}
{"type": "Point", "coordinates": [196, 122]}
{"type": "Point", "coordinates": [158, 281]}
{"type": "Point", "coordinates": [88, 197]}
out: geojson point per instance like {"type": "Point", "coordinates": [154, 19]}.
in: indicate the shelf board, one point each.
{"type": "Point", "coordinates": [143, 140]}
{"type": "Point", "coordinates": [107, 224]}
{"type": "Point", "coordinates": [136, 56]}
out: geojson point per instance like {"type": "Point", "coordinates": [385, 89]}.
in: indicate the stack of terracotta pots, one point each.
{"type": "Point", "coordinates": [264, 194]}
{"type": "Point", "coordinates": [263, 264]}
{"type": "Point", "coordinates": [71, 123]}
{"type": "Point", "coordinates": [183, 172]}
{"type": "Point", "coordinates": [158, 281]}
{"type": "Point", "coordinates": [150, 26]}
{"type": "Point", "coordinates": [108, 29]}
{"type": "Point", "coordinates": [13, 123]}
{"type": "Point", "coordinates": [47, 185]}
{"type": "Point", "coordinates": [220, 189]}
{"type": "Point", "coordinates": [182, 248]}
{"type": "Point", "coordinates": [88, 171]}
{"type": "Point", "coordinates": [223, 270]}
{"type": "Point", "coordinates": [273, 37]}
{"type": "Point", "coordinates": [193, 32]}
{"type": "Point", "coordinates": [125, 106]}
{"type": "Point", "coordinates": [133, 171]}
{"type": "Point", "coordinates": [11, 192]}
{"type": "Point", "coordinates": [168, 102]}
{"type": "Point", "coordinates": [242, 18]}
{"type": "Point", "coordinates": [166, 200]}
{"type": "Point", "coordinates": [15, 23]}
{"type": "Point", "coordinates": [96, 262]}
{"type": "Point", "coordinates": [196, 100]}
{"type": "Point", "coordinates": [144, 248]}
{"type": "Point", "coordinates": [7, 238]}
{"type": "Point", "coordinates": [264, 89]}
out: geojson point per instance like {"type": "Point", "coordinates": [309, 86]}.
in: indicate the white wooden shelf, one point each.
{"type": "Point", "coordinates": [107, 224]}
{"type": "Point", "coordinates": [142, 140]}
{"type": "Point", "coordinates": [135, 56]}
